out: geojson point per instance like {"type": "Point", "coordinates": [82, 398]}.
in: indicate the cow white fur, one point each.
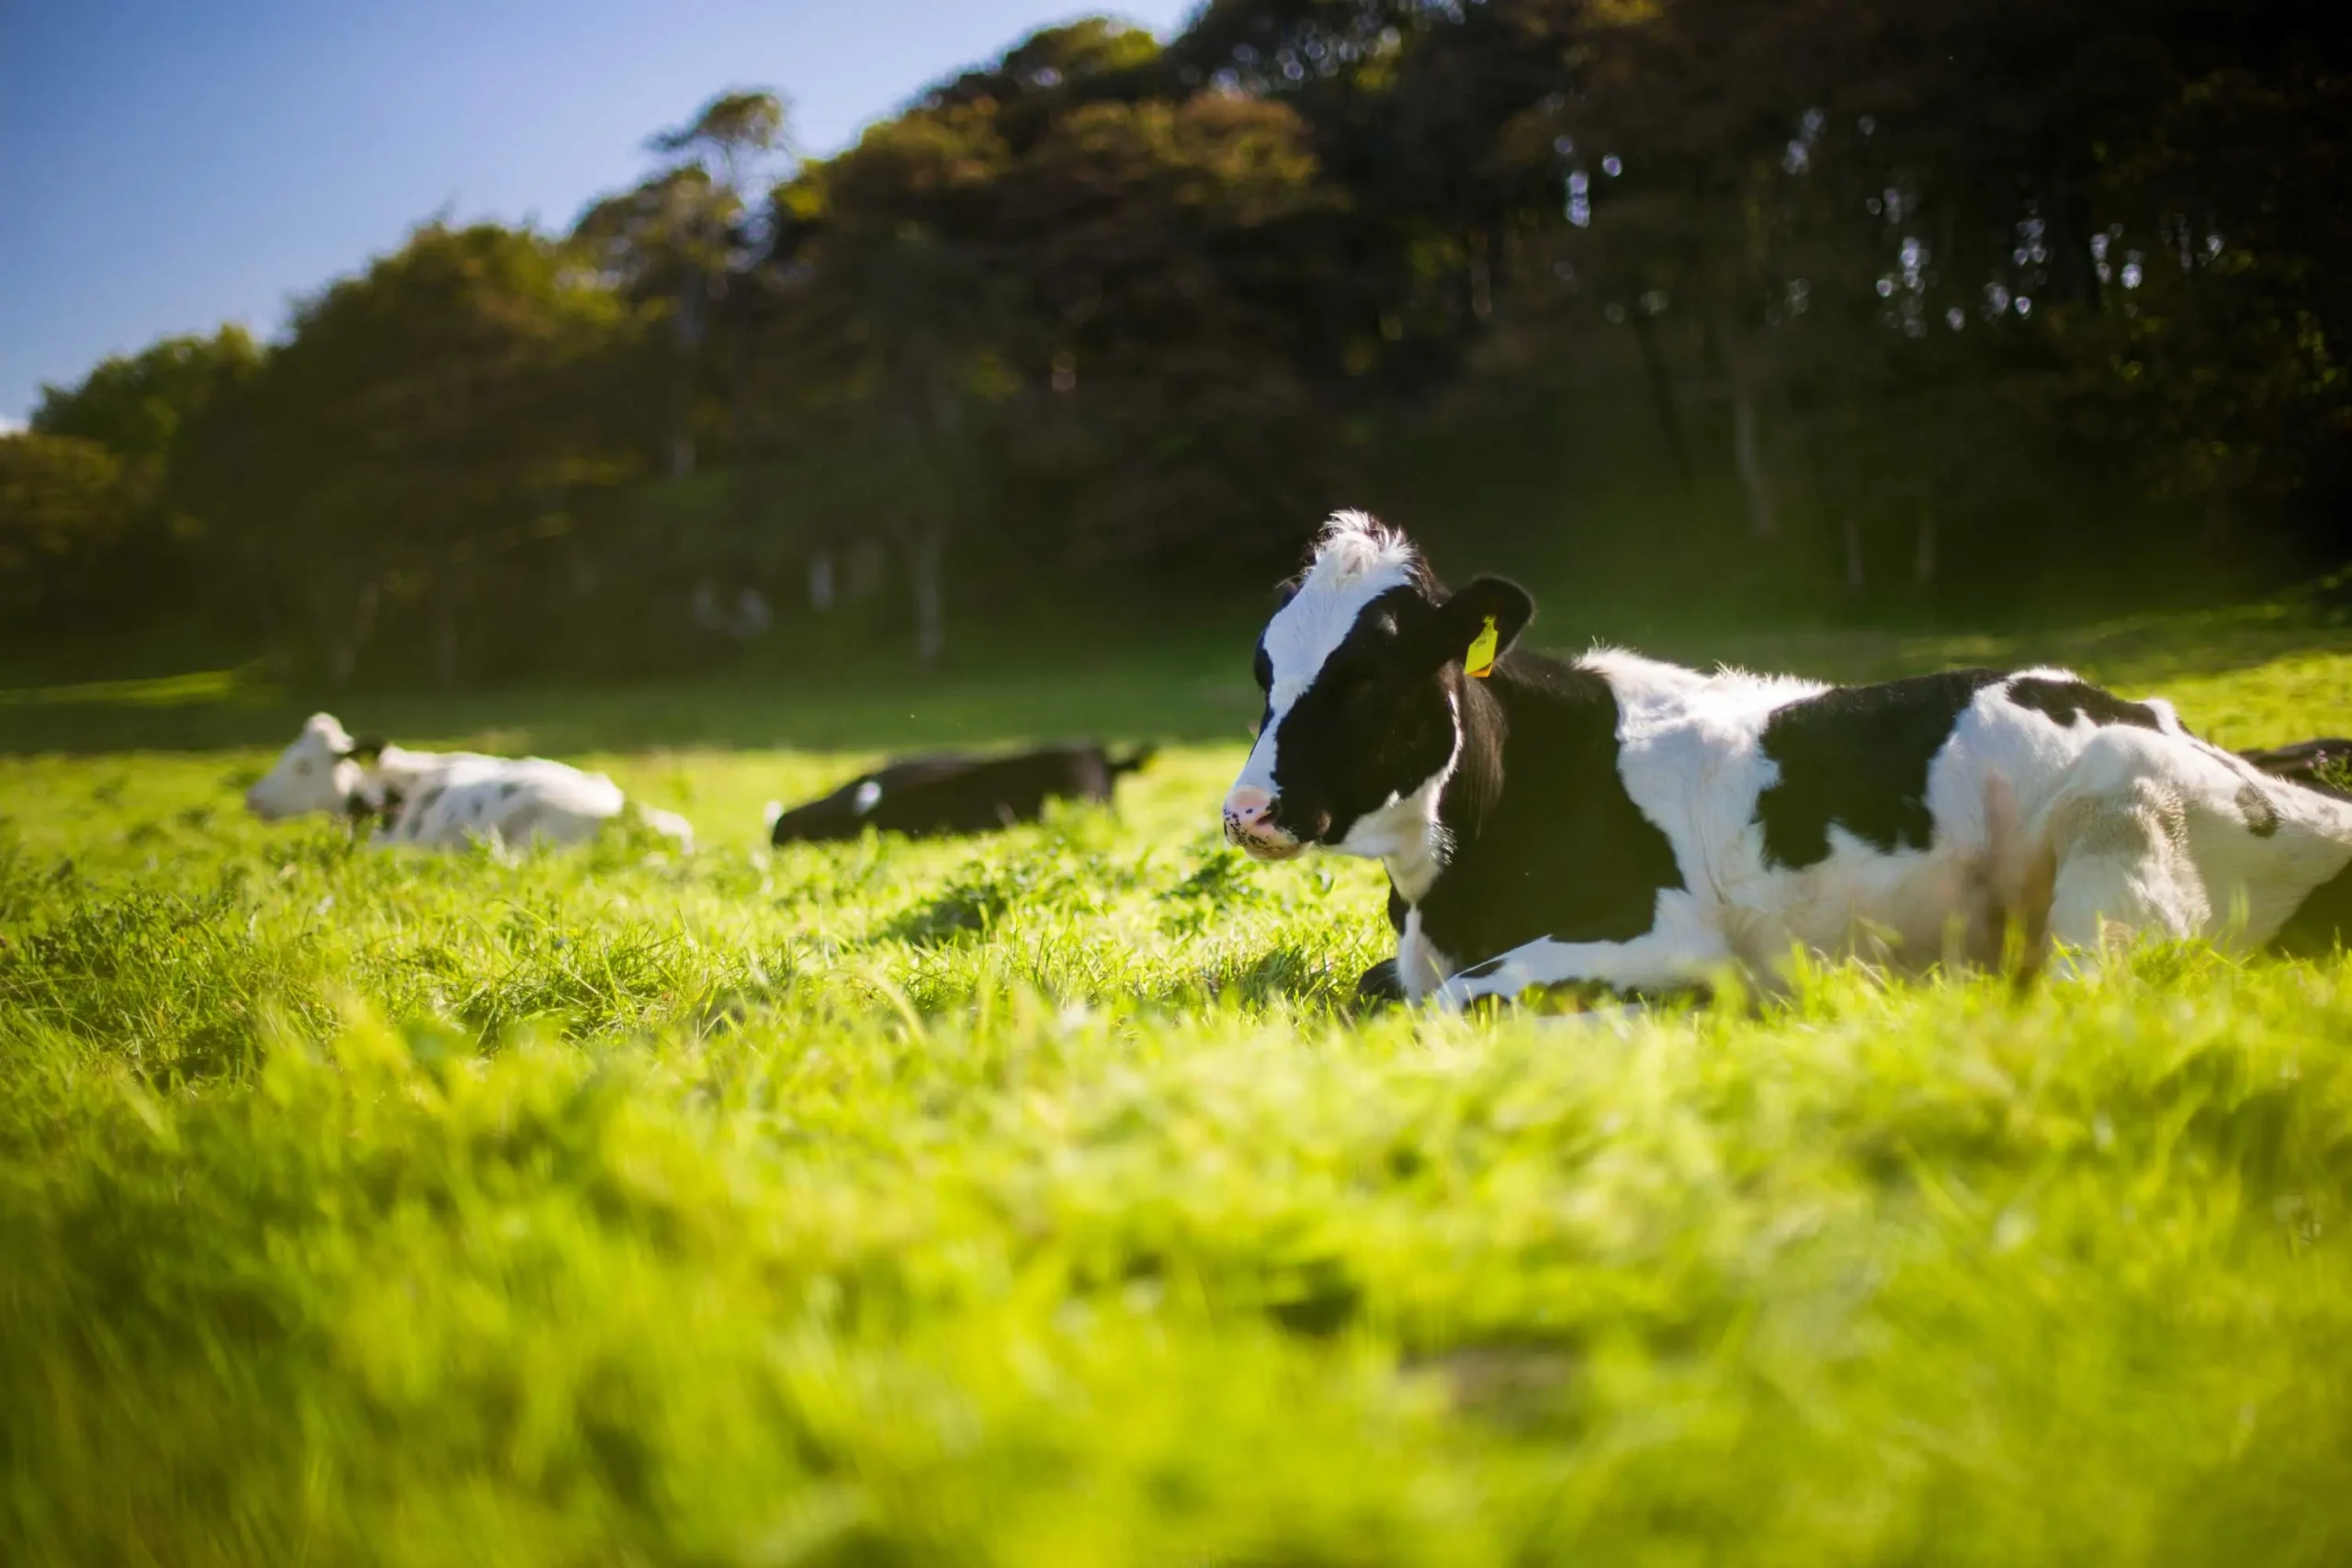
{"type": "Point", "coordinates": [442, 799]}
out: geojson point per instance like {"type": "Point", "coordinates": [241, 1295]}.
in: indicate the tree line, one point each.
{"type": "Point", "coordinates": [1771, 304]}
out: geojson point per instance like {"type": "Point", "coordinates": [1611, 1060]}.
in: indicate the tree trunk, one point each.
{"type": "Point", "coordinates": [1724, 351]}
{"type": "Point", "coordinates": [1762, 520]}
{"type": "Point", "coordinates": [1763, 512]}
{"type": "Point", "coordinates": [925, 557]}
{"type": "Point", "coordinates": [351, 633]}
{"type": "Point", "coordinates": [2072, 222]}
{"type": "Point", "coordinates": [260, 581]}
{"type": "Point", "coordinates": [692, 302]}
{"type": "Point", "coordinates": [1482, 279]}
{"type": "Point", "coordinates": [1669, 421]}
{"type": "Point", "coordinates": [445, 637]}
{"type": "Point", "coordinates": [925, 549]}
{"type": "Point", "coordinates": [739, 400]}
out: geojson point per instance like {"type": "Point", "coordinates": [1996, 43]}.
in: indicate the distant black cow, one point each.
{"type": "Point", "coordinates": [922, 797]}
{"type": "Point", "coordinates": [2307, 762]}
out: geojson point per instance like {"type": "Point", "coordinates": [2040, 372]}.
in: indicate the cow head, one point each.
{"type": "Point", "coordinates": [1363, 668]}
{"type": "Point", "coordinates": [323, 769]}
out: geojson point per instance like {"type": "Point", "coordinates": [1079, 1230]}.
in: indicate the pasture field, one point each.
{"type": "Point", "coordinates": [1042, 1199]}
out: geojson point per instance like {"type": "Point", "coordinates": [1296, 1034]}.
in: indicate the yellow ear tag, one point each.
{"type": "Point", "coordinates": [1480, 660]}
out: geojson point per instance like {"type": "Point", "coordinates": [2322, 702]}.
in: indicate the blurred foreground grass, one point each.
{"type": "Point", "coordinates": [1036, 1198]}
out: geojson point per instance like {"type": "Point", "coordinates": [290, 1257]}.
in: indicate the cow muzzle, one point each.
{"type": "Point", "coordinates": [1251, 827]}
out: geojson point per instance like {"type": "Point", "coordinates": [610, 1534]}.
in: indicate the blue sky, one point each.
{"type": "Point", "coordinates": [169, 164]}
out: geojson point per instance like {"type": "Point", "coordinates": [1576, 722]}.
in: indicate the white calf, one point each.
{"type": "Point", "coordinates": [442, 799]}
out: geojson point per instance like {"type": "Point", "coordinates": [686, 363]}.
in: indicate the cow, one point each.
{"type": "Point", "coordinates": [442, 799]}
{"type": "Point", "coordinates": [2309, 762]}
{"type": "Point", "coordinates": [1614, 822]}
{"type": "Point", "coordinates": [925, 796]}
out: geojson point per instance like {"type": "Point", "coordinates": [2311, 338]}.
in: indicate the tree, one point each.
{"type": "Point", "coordinates": [685, 234]}
{"type": "Point", "coordinates": [1104, 281]}
{"type": "Point", "coordinates": [62, 503]}
{"type": "Point", "coordinates": [737, 131]}
{"type": "Point", "coordinates": [897, 323]}
{"type": "Point", "coordinates": [155, 553]}
{"type": "Point", "coordinates": [1880, 278]}
{"type": "Point", "coordinates": [425, 429]}
{"type": "Point", "coordinates": [138, 406]}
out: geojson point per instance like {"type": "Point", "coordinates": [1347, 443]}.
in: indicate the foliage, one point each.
{"type": "Point", "coordinates": [422, 439]}
{"type": "Point", "coordinates": [63, 500]}
{"type": "Point", "coordinates": [1039, 1197]}
{"type": "Point", "coordinates": [141, 406]}
{"type": "Point", "coordinates": [109, 480]}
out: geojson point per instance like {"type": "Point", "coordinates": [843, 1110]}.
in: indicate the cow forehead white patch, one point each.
{"type": "Point", "coordinates": [1356, 560]}
{"type": "Point", "coordinates": [1306, 632]}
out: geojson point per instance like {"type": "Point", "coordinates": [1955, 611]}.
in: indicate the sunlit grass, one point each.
{"type": "Point", "coordinates": [1043, 1199]}
{"type": "Point", "coordinates": [194, 688]}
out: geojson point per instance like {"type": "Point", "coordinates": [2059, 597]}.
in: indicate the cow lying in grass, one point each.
{"type": "Point", "coordinates": [2320, 764]}
{"type": "Point", "coordinates": [442, 799]}
{"type": "Point", "coordinates": [1629, 824]}
{"type": "Point", "coordinates": [927, 795]}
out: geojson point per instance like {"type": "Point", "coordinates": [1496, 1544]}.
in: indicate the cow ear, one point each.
{"type": "Point", "coordinates": [366, 750]}
{"type": "Point", "coordinates": [1461, 622]}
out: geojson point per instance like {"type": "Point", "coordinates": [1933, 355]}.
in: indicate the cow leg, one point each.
{"type": "Point", "coordinates": [1658, 962]}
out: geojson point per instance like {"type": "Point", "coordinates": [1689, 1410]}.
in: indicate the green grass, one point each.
{"type": "Point", "coordinates": [1039, 1199]}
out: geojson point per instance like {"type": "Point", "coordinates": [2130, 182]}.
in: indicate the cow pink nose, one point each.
{"type": "Point", "coordinates": [1246, 809]}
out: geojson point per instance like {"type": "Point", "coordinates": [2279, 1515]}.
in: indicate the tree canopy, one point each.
{"type": "Point", "coordinates": [1836, 303]}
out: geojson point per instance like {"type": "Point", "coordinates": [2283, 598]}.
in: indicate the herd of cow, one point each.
{"type": "Point", "coordinates": [445, 800]}
{"type": "Point", "coordinates": [1607, 821]}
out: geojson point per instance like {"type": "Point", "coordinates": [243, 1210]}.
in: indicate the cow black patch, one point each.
{"type": "Point", "coordinates": [2261, 816]}
{"type": "Point", "coordinates": [1857, 758]}
{"type": "Point", "coordinates": [506, 790]}
{"type": "Point", "coordinates": [2316, 928]}
{"type": "Point", "coordinates": [1372, 724]}
{"type": "Point", "coordinates": [2066, 701]}
{"type": "Point", "coordinates": [1566, 854]}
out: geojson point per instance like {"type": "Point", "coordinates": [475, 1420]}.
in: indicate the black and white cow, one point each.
{"type": "Point", "coordinates": [442, 799]}
{"type": "Point", "coordinates": [1615, 821]}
